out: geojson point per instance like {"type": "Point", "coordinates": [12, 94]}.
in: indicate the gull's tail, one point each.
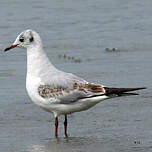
{"type": "Point", "coordinates": [121, 91]}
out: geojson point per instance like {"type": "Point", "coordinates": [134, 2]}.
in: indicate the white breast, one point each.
{"type": "Point", "coordinates": [32, 84]}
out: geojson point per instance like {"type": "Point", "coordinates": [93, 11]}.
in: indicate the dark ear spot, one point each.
{"type": "Point", "coordinates": [31, 39]}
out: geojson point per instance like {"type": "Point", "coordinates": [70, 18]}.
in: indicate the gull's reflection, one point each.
{"type": "Point", "coordinates": [78, 144]}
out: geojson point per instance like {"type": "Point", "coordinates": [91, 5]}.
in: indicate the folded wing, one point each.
{"type": "Point", "coordinates": [71, 95]}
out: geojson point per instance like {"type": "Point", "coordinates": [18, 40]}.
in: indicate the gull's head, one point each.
{"type": "Point", "coordinates": [26, 39]}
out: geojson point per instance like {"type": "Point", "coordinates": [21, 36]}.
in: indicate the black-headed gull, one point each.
{"type": "Point", "coordinates": [54, 90]}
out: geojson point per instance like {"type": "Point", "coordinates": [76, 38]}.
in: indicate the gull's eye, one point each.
{"type": "Point", "coordinates": [21, 39]}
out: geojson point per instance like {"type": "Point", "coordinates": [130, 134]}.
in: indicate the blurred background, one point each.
{"type": "Point", "coordinates": [103, 41]}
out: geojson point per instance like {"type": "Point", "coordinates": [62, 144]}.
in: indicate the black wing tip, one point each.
{"type": "Point", "coordinates": [140, 88]}
{"type": "Point", "coordinates": [144, 88]}
{"type": "Point", "coordinates": [121, 91]}
{"type": "Point", "coordinates": [128, 94]}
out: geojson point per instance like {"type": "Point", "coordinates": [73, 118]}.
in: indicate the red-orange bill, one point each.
{"type": "Point", "coordinates": [10, 47]}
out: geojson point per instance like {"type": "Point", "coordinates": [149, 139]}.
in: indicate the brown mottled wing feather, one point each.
{"type": "Point", "coordinates": [67, 96]}
{"type": "Point", "coordinates": [94, 88]}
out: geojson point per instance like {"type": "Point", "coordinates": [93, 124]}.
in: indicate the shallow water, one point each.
{"type": "Point", "coordinates": [80, 30]}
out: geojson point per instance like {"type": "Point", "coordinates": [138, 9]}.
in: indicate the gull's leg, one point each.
{"type": "Point", "coordinates": [65, 126]}
{"type": "Point", "coordinates": [56, 127]}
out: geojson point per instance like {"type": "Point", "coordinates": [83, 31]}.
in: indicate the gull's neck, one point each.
{"type": "Point", "coordinates": [38, 63]}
